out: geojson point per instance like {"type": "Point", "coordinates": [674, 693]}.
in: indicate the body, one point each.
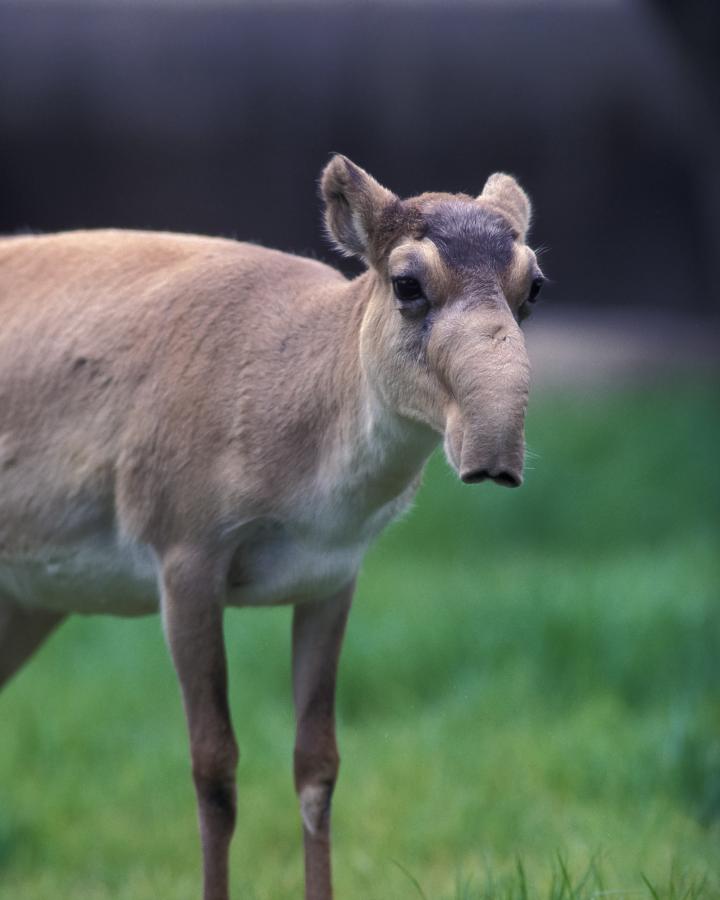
{"type": "Point", "coordinates": [109, 439]}
{"type": "Point", "coordinates": [191, 423]}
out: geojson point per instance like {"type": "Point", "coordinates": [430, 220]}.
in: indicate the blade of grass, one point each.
{"type": "Point", "coordinates": [650, 887]}
{"type": "Point", "coordinates": [411, 878]}
{"type": "Point", "coordinates": [566, 880]}
{"type": "Point", "coordinates": [522, 878]}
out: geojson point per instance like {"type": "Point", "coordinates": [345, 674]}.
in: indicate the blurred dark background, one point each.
{"type": "Point", "coordinates": [218, 117]}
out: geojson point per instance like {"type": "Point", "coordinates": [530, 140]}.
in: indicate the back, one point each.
{"type": "Point", "coordinates": [100, 332]}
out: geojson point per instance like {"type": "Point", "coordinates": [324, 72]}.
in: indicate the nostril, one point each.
{"type": "Point", "coordinates": [507, 479]}
{"type": "Point", "coordinates": [475, 477]}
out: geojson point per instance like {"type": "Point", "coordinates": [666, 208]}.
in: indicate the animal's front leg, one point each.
{"type": "Point", "coordinates": [318, 630]}
{"type": "Point", "coordinates": [193, 612]}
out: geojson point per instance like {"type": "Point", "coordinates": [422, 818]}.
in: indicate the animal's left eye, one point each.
{"type": "Point", "coordinates": [537, 283]}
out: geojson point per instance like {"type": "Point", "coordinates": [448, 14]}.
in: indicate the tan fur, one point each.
{"type": "Point", "coordinates": [237, 424]}
{"type": "Point", "coordinates": [503, 193]}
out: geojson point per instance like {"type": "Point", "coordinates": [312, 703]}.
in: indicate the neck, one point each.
{"type": "Point", "coordinates": [373, 447]}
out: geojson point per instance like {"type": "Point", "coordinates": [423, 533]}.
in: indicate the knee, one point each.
{"type": "Point", "coordinates": [218, 798]}
{"type": "Point", "coordinates": [315, 778]}
{"type": "Point", "coordinates": [214, 777]}
{"type": "Point", "coordinates": [315, 806]}
{"type": "Point", "coordinates": [316, 765]}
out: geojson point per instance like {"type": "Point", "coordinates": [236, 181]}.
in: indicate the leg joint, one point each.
{"type": "Point", "coordinates": [214, 777]}
{"type": "Point", "coordinates": [318, 766]}
{"type": "Point", "coordinates": [315, 776]}
{"type": "Point", "coordinates": [215, 760]}
{"type": "Point", "coordinates": [315, 806]}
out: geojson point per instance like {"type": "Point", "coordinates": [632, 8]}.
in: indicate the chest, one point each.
{"type": "Point", "coordinates": [305, 556]}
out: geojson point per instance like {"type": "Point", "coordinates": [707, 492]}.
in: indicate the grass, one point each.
{"type": "Point", "coordinates": [529, 700]}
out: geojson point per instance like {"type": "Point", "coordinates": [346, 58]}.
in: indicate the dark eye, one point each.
{"type": "Point", "coordinates": [408, 291]}
{"type": "Point", "coordinates": [537, 283]}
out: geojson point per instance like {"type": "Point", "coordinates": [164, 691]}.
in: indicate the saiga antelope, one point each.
{"type": "Point", "coordinates": [188, 423]}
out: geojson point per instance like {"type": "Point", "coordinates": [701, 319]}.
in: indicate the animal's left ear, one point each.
{"type": "Point", "coordinates": [354, 202]}
{"type": "Point", "coordinates": [504, 194]}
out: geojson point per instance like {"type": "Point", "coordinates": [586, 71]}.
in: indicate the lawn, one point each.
{"type": "Point", "coordinates": [529, 697]}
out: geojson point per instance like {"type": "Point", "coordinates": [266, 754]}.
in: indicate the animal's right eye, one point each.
{"type": "Point", "coordinates": [407, 289]}
{"type": "Point", "coordinates": [412, 303]}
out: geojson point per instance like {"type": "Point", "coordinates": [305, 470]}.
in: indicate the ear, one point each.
{"type": "Point", "coordinates": [354, 202]}
{"type": "Point", "coordinates": [504, 194]}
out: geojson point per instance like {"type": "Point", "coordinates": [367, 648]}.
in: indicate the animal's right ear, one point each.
{"type": "Point", "coordinates": [354, 202]}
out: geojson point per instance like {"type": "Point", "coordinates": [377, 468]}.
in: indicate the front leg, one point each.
{"type": "Point", "coordinates": [193, 610]}
{"type": "Point", "coordinates": [318, 630]}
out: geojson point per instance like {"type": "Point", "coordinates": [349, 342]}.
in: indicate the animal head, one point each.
{"type": "Point", "coordinates": [451, 280]}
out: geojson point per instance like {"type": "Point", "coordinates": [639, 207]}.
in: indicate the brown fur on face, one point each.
{"type": "Point", "coordinates": [469, 257]}
{"type": "Point", "coordinates": [363, 218]}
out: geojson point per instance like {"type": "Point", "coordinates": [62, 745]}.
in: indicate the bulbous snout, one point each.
{"type": "Point", "coordinates": [492, 450]}
{"type": "Point", "coordinates": [485, 430]}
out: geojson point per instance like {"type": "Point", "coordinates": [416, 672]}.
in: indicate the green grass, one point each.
{"type": "Point", "coordinates": [529, 699]}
